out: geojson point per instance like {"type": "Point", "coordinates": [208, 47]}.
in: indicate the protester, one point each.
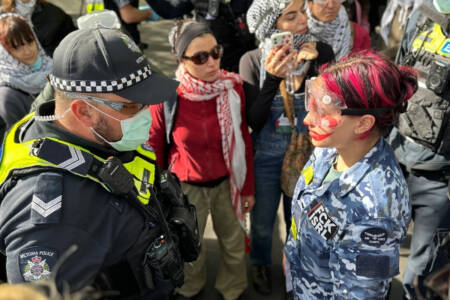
{"type": "Point", "coordinates": [226, 19]}
{"type": "Point", "coordinates": [351, 209]}
{"type": "Point", "coordinates": [421, 141]}
{"type": "Point", "coordinates": [23, 68]}
{"type": "Point", "coordinates": [66, 175]}
{"type": "Point", "coordinates": [50, 22]}
{"type": "Point", "coordinates": [262, 70]}
{"type": "Point", "coordinates": [202, 136]}
{"type": "Point", "coordinates": [328, 21]}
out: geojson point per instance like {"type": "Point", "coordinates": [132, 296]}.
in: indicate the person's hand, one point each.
{"type": "Point", "coordinates": [284, 262]}
{"type": "Point", "coordinates": [153, 15]}
{"type": "Point", "coordinates": [247, 203]}
{"type": "Point", "coordinates": [308, 51]}
{"type": "Point", "coordinates": [279, 60]}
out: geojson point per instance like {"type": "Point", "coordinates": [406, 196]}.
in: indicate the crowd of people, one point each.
{"type": "Point", "coordinates": [109, 170]}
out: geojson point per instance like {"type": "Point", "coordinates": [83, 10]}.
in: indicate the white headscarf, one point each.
{"type": "Point", "coordinates": [337, 33]}
{"type": "Point", "coordinates": [17, 75]}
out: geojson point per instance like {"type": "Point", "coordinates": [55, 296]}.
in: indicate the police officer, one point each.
{"type": "Point", "coordinates": [75, 173]}
{"type": "Point", "coordinates": [422, 138]}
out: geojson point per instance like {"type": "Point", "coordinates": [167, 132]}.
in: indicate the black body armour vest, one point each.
{"type": "Point", "coordinates": [427, 118]}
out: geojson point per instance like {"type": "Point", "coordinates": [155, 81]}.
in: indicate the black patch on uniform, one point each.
{"type": "Point", "coordinates": [144, 182]}
{"type": "Point", "coordinates": [372, 266]}
{"type": "Point", "coordinates": [67, 157]}
{"type": "Point", "coordinates": [322, 222]}
{"type": "Point", "coordinates": [37, 263]}
{"type": "Point", "coordinates": [374, 236]}
{"type": "Point", "coordinates": [46, 204]}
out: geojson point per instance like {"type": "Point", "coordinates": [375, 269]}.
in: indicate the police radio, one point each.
{"type": "Point", "coordinates": [438, 77]}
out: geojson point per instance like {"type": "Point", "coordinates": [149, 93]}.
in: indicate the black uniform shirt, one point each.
{"type": "Point", "coordinates": [44, 214]}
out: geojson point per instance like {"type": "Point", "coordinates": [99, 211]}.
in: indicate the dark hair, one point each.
{"type": "Point", "coordinates": [15, 32]}
{"type": "Point", "coordinates": [183, 33]}
{"type": "Point", "coordinates": [369, 80]}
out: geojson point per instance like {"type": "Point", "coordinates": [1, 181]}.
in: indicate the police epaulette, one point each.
{"type": "Point", "coordinates": [64, 156]}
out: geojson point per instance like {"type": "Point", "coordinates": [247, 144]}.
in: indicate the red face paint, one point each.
{"type": "Point", "coordinates": [328, 121]}
{"type": "Point", "coordinates": [318, 137]}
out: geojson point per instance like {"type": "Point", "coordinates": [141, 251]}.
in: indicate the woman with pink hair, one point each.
{"type": "Point", "coordinates": [351, 207]}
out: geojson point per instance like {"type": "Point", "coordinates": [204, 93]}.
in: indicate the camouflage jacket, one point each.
{"type": "Point", "coordinates": [346, 234]}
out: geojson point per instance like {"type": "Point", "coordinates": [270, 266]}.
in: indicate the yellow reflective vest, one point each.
{"type": "Point", "coordinates": [51, 153]}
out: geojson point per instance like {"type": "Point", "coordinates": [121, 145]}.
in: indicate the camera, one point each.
{"type": "Point", "coordinates": [438, 76]}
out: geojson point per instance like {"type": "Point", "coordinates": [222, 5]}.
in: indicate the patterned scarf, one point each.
{"type": "Point", "coordinates": [17, 75]}
{"type": "Point", "coordinates": [337, 34]}
{"type": "Point", "coordinates": [261, 19]}
{"type": "Point", "coordinates": [229, 116]}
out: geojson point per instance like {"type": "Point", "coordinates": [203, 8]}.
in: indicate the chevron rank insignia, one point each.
{"type": "Point", "coordinates": [46, 203]}
{"type": "Point", "coordinates": [65, 156]}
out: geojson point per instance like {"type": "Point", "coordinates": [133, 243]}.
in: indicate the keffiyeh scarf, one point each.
{"type": "Point", "coordinates": [261, 19]}
{"type": "Point", "coordinates": [337, 34]}
{"type": "Point", "coordinates": [229, 116]}
{"type": "Point", "coordinates": [17, 75]}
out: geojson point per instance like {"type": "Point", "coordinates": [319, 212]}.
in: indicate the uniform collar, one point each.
{"type": "Point", "coordinates": [41, 129]}
{"type": "Point", "coordinates": [351, 177]}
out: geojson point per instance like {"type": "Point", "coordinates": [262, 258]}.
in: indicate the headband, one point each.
{"type": "Point", "coordinates": [188, 35]}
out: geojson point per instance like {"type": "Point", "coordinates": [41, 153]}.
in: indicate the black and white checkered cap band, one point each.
{"type": "Point", "coordinates": [103, 86]}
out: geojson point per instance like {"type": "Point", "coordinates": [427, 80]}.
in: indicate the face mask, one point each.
{"type": "Point", "coordinates": [442, 6]}
{"type": "Point", "coordinates": [135, 130]}
{"type": "Point", "coordinates": [25, 9]}
{"type": "Point", "coordinates": [36, 66]}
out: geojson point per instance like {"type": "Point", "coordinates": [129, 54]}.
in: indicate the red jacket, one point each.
{"type": "Point", "coordinates": [196, 153]}
{"type": "Point", "coordinates": [361, 38]}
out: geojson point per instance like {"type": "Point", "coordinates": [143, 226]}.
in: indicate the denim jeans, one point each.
{"type": "Point", "coordinates": [270, 146]}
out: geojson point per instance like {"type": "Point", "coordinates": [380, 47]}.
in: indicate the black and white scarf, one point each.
{"type": "Point", "coordinates": [261, 19]}
{"type": "Point", "coordinates": [337, 34]}
{"type": "Point", "coordinates": [17, 75]}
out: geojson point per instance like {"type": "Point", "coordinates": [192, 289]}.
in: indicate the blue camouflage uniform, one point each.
{"type": "Point", "coordinates": [346, 234]}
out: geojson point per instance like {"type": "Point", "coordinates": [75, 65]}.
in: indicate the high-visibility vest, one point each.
{"type": "Point", "coordinates": [51, 153]}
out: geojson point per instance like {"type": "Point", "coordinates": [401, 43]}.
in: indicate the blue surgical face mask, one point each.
{"type": "Point", "coordinates": [135, 130]}
{"type": "Point", "coordinates": [37, 65]}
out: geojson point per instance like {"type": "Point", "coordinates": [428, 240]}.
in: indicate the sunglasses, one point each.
{"type": "Point", "coordinates": [121, 107]}
{"type": "Point", "coordinates": [201, 57]}
{"type": "Point", "coordinates": [323, 2]}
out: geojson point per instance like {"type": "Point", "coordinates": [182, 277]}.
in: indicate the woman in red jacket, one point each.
{"type": "Point", "coordinates": [328, 21]}
{"type": "Point", "coordinates": [209, 150]}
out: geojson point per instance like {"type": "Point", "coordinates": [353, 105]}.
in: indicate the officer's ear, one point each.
{"type": "Point", "coordinates": [82, 112]}
{"type": "Point", "coordinates": [364, 124]}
